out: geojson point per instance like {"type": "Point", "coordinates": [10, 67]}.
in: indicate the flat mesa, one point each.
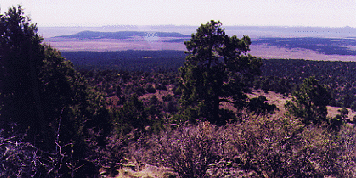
{"type": "Point", "coordinates": [312, 43]}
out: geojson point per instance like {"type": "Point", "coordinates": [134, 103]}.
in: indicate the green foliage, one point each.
{"type": "Point", "coordinates": [162, 87]}
{"type": "Point", "coordinates": [343, 114]}
{"type": "Point", "coordinates": [139, 90]}
{"type": "Point", "coordinates": [309, 102]}
{"type": "Point", "coordinates": [353, 106]}
{"type": "Point", "coordinates": [339, 118]}
{"type": "Point", "coordinates": [337, 76]}
{"type": "Point", "coordinates": [171, 107]}
{"type": "Point", "coordinates": [21, 59]}
{"type": "Point", "coordinates": [150, 89]}
{"type": "Point", "coordinates": [154, 110]}
{"type": "Point", "coordinates": [44, 98]}
{"type": "Point", "coordinates": [259, 105]}
{"type": "Point", "coordinates": [131, 60]}
{"type": "Point", "coordinates": [66, 128]}
{"type": "Point", "coordinates": [177, 91]}
{"type": "Point", "coordinates": [216, 68]}
{"type": "Point", "coordinates": [131, 116]}
{"type": "Point", "coordinates": [167, 98]}
{"type": "Point", "coordinates": [118, 91]}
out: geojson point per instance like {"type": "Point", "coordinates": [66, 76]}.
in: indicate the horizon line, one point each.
{"type": "Point", "coordinates": [192, 26]}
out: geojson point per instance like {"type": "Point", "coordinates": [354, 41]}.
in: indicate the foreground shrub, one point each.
{"type": "Point", "coordinates": [23, 159]}
{"type": "Point", "coordinates": [254, 147]}
{"type": "Point", "coordinates": [282, 148]}
{"type": "Point", "coordinates": [150, 89]}
{"type": "Point", "coordinates": [347, 140]}
{"type": "Point", "coordinates": [187, 150]}
{"type": "Point", "coordinates": [17, 159]}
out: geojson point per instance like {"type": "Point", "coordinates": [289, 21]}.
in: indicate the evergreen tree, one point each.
{"type": "Point", "coordinates": [217, 67]}
{"type": "Point", "coordinates": [44, 98]}
{"type": "Point", "coordinates": [21, 60]}
{"type": "Point", "coordinates": [310, 101]}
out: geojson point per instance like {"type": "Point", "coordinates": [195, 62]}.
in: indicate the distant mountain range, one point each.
{"type": "Point", "coordinates": [326, 41]}
{"type": "Point", "coordinates": [122, 35]}
{"type": "Point", "coordinates": [252, 31]}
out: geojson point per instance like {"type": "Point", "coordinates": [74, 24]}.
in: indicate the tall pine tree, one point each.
{"type": "Point", "coordinates": [216, 68]}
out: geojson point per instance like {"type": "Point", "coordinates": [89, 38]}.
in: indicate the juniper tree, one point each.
{"type": "Point", "coordinates": [310, 101]}
{"type": "Point", "coordinates": [44, 98]}
{"type": "Point", "coordinates": [216, 68]}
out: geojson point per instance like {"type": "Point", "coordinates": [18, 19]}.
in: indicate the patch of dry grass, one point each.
{"type": "Point", "coordinates": [280, 100]}
{"type": "Point", "coordinates": [146, 172]}
{"type": "Point", "coordinates": [273, 98]}
{"type": "Point", "coordinates": [159, 93]}
{"type": "Point", "coordinates": [134, 170]}
{"type": "Point", "coordinates": [332, 112]}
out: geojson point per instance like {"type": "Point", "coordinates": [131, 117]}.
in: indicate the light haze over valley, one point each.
{"type": "Point", "coordinates": [265, 40]}
{"type": "Point", "coordinates": [257, 19]}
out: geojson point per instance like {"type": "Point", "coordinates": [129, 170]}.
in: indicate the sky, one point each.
{"type": "Point", "coordinates": [293, 13]}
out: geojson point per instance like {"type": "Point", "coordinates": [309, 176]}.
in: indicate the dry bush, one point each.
{"type": "Point", "coordinates": [17, 158]}
{"type": "Point", "coordinates": [254, 147]}
{"type": "Point", "coordinates": [187, 150]}
{"type": "Point", "coordinates": [347, 141]}
{"type": "Point", "coordinates": [282, 148]}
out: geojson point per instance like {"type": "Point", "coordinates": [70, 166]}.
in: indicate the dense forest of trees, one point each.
{"type": "Point", "coordinates": [279, 75]}
{"type": "Point", "coordinates": [284, 75]}
{"type": "Point", "coordinates": [108, 112]}
{"type": "Point", "coordinates": [127, 60]}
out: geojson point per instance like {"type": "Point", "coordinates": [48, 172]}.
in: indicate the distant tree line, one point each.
{"type": "Point", "coordinates": [327, 46]}
{"type": "Point", "coordinates": [280, 75]}
{"type": "Point", "coordinates": [284, 76]}
{"type": "Point", "coordinates": [127, 60]}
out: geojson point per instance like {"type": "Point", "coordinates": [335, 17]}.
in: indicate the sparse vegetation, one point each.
{"type": "Point", "coordinates": [64, 120]}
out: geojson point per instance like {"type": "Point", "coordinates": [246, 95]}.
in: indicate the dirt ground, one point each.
{"type": "Point", "coordinates": [280, 100]}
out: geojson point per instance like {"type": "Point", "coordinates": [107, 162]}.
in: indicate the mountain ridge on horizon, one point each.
{"type": "Point", "coordinates": [87, 34]}
{"type": "Point", "coordinates": [252, 31]}
{"type": "Point", "coordinates": [192, 26]}
{"type": "Point", "coordinates": [318, 41]}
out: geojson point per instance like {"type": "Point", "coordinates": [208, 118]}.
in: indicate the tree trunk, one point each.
{"type": "Point", "coordinates": [216, 109]}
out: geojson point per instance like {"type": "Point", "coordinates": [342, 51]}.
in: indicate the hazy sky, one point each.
{"type": "Point", "coordinates": [322, 13]}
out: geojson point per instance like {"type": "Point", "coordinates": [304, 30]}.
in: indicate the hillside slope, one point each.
{"type": "Point", "coordinates": [280, 100]}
